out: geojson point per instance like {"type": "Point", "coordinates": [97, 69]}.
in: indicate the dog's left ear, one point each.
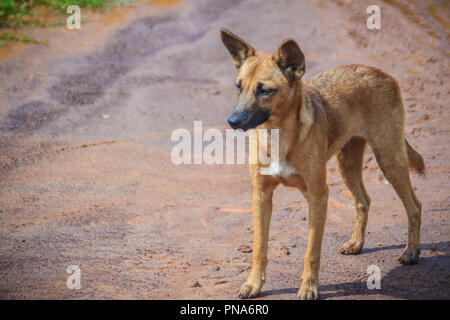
{"type": "Point", "coordinates": [238, 48]}
{"type": "Point", "coordinates": [290, 60]}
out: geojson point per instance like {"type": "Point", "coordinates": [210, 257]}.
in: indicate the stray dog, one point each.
{"type": "Point", "coordinates": [336, 112]}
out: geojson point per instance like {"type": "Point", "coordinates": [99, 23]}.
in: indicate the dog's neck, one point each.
{"type": "Point", "coordinates": [294, 126]}
{"type": "Point", "coordinates": [296, 121]}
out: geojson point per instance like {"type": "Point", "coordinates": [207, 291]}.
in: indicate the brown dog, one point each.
{"type": "Point", "coordinates": [337, 112]}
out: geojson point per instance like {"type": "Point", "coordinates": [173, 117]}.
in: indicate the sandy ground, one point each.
{"type": "Point", "coordinates": [85, 171]}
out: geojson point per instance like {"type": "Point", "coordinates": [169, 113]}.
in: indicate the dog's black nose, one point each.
{"type": "Point", "coordinates": [234, 122]}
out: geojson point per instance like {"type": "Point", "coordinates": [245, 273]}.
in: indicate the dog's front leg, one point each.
{"type": "Point", "coordinates": [263, 189]}
{"type": "Point", "coordinates": [317, 199]}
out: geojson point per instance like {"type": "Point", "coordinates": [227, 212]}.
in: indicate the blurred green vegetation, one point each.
{"type": "Point", "coordinates": [22, 14]}
{"type": "Point", "coordinates": [12, 36]}
{"type": "Point", "coordinates": [13, 13]}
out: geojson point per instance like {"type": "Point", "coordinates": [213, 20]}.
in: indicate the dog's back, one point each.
{"type": "Point", "coordinates": [366, 102]}
{"type": "Point", "coordinates": [364, 94]}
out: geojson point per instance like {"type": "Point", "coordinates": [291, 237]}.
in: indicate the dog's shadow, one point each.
{"type": "Point", "coordinates": [429, 279]}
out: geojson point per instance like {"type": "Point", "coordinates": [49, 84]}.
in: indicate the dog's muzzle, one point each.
{"type": "Point", "coordinates": [247, 120]}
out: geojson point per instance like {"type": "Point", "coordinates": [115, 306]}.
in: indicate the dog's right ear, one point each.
{"type": "Point", "coordinates": [238, 48]}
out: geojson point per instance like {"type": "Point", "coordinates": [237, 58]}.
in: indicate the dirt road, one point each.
{"type": "Point", "coordinates": [85, 171]}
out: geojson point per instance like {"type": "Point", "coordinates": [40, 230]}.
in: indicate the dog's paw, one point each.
{"type": "Point", "coordinates": [249, 290]}
{"type": "Point", "coordinates": [309, 290]}
{"type": "Point", "coordinates": [409, 256]}
{"type": "Point", "coordinates": [351, 247]}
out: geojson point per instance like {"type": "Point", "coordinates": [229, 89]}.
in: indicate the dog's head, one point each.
{"type": "Point", "coordinates": [265, 82]}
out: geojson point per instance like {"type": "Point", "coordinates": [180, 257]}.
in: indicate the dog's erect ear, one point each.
{"type": "Point", "coordinates": [290, 60]}
{"type": "Point", "coordinates": [238, 48]}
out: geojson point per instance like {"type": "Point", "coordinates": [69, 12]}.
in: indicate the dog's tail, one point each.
{"type": "Point", "coordinates": [415, 160]}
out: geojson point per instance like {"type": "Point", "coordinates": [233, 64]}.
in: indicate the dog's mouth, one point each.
{"type": "Point", "coordinates": [247, 120]}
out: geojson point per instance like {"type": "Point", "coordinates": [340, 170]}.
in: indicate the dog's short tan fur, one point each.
{"type": "Point", "coordinates": [336, 112]}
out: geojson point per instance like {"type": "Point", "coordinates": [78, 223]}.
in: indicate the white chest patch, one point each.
{"type": "Point", "coordinates": [282, 170]}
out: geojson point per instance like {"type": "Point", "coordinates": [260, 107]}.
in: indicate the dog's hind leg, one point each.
{"type": "Point", "coordinates": [392, 158]}
{"type": "Point", "coordinates": [350, 162]}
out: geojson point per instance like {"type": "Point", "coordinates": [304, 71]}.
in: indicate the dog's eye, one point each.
{"type": "Point", "coordinates": [264, 91]}
{"type": "Point", "coordinates": [238, 86]}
